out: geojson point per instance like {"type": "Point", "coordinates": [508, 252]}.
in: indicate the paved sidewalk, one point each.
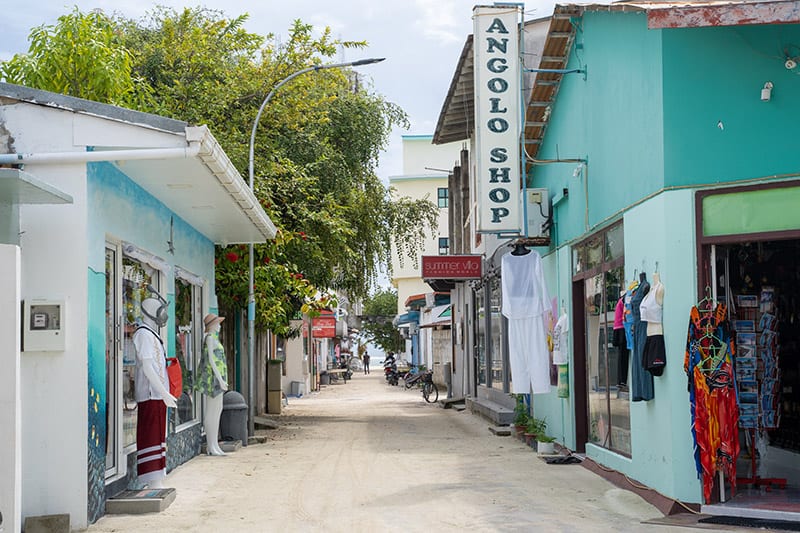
{"type": "Point", "coordinates": [367, 457]}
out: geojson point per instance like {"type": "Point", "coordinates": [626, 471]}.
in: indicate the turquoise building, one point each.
{"type": "Point", "coordinates": [664, 136]}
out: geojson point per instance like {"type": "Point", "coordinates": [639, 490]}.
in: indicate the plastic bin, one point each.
{"type": "Point", "coordinates": [233, 421]}
{"type": "Point", "coordinates": [298, 388]}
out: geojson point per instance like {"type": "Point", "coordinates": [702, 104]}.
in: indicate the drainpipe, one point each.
{"type": "Point", "coordinates": [50, 158]}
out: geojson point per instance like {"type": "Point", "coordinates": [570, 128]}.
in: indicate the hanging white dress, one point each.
{"type": "Point", "coordinates": [525, 302]}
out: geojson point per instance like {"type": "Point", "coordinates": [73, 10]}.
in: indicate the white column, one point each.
{"type": "Point", "coordinates": [10, 417]}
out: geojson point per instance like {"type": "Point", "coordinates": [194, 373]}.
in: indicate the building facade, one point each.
{"type": "Point", "coordinates": [660, 134]}
{"type": "Point", "coordinates": [99, 203]}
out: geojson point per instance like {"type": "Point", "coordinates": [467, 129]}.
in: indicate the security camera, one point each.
{"type": "Point", "coordinates": [790, 64]}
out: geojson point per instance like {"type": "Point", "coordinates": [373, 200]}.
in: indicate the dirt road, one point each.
{"type": "Point", "coordinates": [366, 457]}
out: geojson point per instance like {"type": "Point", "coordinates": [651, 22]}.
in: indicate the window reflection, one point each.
{"type": "Point", "coordinates": [480, 317]}
{"type": "Point", "coordinates": [497, 335]}
{"type": "Point", "coordinates": [609, 407]}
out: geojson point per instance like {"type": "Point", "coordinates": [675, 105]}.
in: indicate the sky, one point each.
{"type": "Point", "coordinates": [420, 39]}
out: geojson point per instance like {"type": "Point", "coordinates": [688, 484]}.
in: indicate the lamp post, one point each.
{"type": "Point", "coordinates": [251, 300]}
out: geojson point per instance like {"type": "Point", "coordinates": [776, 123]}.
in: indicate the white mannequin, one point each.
{"type": "Point", "coordinates": [150, 305]}
{"type": "Point", "coordinates": [213, 404]}
{"type": "Point", "coordinates": [656, 328]}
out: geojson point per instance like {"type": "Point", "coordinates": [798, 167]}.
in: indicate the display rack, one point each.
{"type": "Point", "coordinates": [757, 375]}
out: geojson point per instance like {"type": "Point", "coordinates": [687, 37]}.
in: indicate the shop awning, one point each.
{"type": "Point", "coordinates": [411, 317]}
{"type": "Point", "coordinates": [440, 315]}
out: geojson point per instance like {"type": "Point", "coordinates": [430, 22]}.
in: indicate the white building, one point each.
{"type": "Point", "coordinates": [426, 170]}
{"type": "Point", "coordinates": [97, 202]}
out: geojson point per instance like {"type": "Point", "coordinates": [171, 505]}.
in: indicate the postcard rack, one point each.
{"type": "Point", "coordinates": [757, 376]}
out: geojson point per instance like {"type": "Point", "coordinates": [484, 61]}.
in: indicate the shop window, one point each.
{"type": "Point", "coordinates": [188, 345]}
{"type": "Point", "coordinates": [480, 322]}
{"type": "Point", "coordinates": [442, 195]}
{"type": "Point", "coordinates": [136, 276]}
{"type": "Point", "coordinates": [599, 268]}
{"type": "Point", "coordinates": [497, 354]}
{"type": "Point", "coordinates": [444, 245]}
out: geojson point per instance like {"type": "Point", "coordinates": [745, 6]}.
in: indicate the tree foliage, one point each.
{"type": "Point", "coordinates": [82, 55]}
{"type": "Point", "coordinates": [316, 148]}
{"type": "Point", "coordinates": [379, 311]}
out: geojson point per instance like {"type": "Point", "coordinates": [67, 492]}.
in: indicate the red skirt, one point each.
{"type": "Point", "coordinates": [151, 445]}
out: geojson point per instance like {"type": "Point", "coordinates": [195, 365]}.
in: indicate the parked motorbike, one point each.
{"type": "Point", "coordinates": [390, 371]}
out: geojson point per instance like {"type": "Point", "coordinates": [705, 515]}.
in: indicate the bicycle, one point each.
{"type": "Point", "coordinates": [429, 390]}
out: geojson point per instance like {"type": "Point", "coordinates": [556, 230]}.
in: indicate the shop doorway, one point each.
{"type": "Point", "coordinates": [759, 281]}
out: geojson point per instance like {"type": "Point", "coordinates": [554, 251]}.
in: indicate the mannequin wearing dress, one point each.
{"type": "Point", "coordinates": [152, 397]}
{"type": "Point", "coordinates": [212, 383]}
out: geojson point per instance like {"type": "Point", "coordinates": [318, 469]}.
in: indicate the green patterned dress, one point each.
{"type": "Point", "coordinates": [207, 382]}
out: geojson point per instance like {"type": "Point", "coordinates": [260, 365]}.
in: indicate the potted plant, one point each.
{"type": "Point", "coordinates": [535, 427]}
{"type": "Point", "coordinates": [521, 415]}
{"type": "Point", "coordinates": [545, 444]}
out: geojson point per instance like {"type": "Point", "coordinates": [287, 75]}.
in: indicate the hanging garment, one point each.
{"type": "Point", "coordinates": [641, 385]}
{"type": "Point", "coordinates": [708, 363]}
{"type": "Point", "coordinates": [525, 303]}
{"type": "Point", "coordinates": [560, 331]}
{"type": "Point", "coordinates": [620, 342]}
{"type": "Point", "coordinates": [627, 313]}
{"type": "Point", "coordinates": [655, 353]}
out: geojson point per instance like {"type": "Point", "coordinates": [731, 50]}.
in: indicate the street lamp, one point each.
{"type": "Point", "coordinates": [251, 300]}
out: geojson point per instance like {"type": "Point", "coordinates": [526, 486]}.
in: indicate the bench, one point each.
{"type": "Point", "coordinates": [338, 372]}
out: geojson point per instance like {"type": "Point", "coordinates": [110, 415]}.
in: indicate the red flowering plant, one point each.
{"type": "Point", "coordinates": [281, 289]}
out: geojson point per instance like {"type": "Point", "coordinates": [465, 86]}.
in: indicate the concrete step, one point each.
{"type": "Point", "coordinates": [500, 431]}
{"type": "Point", "coordinates": [140, 501]}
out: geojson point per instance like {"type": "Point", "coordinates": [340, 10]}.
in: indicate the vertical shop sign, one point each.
{"type": "Point", "coordinates": [497, 118]}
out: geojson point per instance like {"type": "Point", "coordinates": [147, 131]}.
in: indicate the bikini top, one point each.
{"type": "Point", "coordinates": [650, 310]}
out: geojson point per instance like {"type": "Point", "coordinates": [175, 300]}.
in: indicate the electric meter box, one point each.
{"type": "Point", "coordinates": [43, 326]}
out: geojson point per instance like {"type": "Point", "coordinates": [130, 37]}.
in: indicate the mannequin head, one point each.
{"type": "Point", "coordinates": [212, 322]}
{"type": "Point", "coordinates": [155, 312]}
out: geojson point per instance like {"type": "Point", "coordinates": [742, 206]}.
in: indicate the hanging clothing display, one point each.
{"type": "Point", "coordinates": [620, 341]}
{"type": "Point", "coordinates": [654, 358]}
{"type": "Point", "coordinates": [708, 364]}
{"type": "Point", "coordinates": [560, 331]}
{"type": "Point", "coordinates": [525, 304]}
{"type": "Point", "coordinates": [641, 386]}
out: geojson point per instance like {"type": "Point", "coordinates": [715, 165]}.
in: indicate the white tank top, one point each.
{"type": "Point", "coordinates": [649, 308]}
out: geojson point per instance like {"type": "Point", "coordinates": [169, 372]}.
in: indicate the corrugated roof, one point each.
{"type": "Point", "coordinates": [457, 117]}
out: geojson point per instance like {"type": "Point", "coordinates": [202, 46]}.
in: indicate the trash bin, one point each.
{"type": "Point", "coordinates": [233, 421]}
{"type": "Point", "coordinates": [298, 388]}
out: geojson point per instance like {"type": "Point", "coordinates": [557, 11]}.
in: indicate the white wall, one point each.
{"type": "Point", "coordinates": [53, 394]}
{"type": "Point", "coordinates": [296, 363]}
{"type": "Point", "coordinates": [10, 413]}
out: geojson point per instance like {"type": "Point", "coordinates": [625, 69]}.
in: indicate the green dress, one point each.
{"type": "Point", "coordinates": [207, 382]}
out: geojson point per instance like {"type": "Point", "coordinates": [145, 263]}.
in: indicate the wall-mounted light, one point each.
{"type": "Point", "coordinates": [766, 92]}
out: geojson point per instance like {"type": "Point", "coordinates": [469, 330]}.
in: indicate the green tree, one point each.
{"type": "Point", "coordinates": [81, 55]}
{"type": "Point", "coordinates": [316, 149]}
{"type": "Point", "coordinates": [379, 312]}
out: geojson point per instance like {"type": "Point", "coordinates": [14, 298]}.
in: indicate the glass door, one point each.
{"type": "Point", "coordinates": [113, 358]}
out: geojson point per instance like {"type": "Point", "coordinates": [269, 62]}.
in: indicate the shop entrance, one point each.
{"type": "Point", "coordinates": [760, 283]}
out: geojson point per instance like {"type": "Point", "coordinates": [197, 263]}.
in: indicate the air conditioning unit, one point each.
{"type": "Point", "coordinates": [538, 223]}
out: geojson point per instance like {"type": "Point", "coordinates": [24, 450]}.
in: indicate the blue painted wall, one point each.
{"type": "Point", "coordinates": [613, 118]}
{"type": "Point", "coordinates": [121, 209]}
{"type": "Point", "coordinates": [714, 75]}
{"type": "Point", "coordinates": [646, 119]}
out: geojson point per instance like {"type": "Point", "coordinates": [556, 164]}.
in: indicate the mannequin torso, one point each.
{"type": "Point", "coordinates": [656, 328]}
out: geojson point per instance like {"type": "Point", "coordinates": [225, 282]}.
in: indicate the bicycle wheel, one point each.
{"type": "Point", "coordinates": [430, 393]}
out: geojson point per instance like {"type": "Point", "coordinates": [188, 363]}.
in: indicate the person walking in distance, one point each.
{"type": "Point", "coordinates": [366, 363]}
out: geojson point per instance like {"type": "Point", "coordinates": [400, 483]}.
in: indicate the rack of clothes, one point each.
{"type": "Point", "coordinates": [708, 364]}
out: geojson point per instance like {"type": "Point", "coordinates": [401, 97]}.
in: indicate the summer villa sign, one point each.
{"type": "Point", "coordinates": [497, 118]}
{"type": "Point", "coordinates": [451, 267]}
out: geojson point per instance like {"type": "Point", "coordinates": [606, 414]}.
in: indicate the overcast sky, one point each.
{"type": "Point", "coordinates": [420, 39]}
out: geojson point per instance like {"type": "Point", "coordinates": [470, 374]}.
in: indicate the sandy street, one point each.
{"type": "Point", "coordinates": [367, 457]}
